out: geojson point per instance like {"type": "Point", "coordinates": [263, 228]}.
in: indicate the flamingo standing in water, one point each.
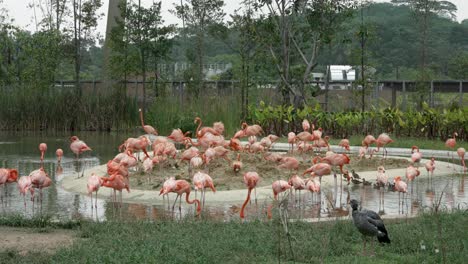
{"type": "Point", "coordinates": [251, 179]}
{"type": "Point", "coordinates": [78, 146]}
{"type": "Point", "coordinates": [278, 187]}
{"type": "Point", "coordinates": [94, 183]}
{"type": "Point", "coordinates": [382, 181]}
{"type": "Point", "coordinates": [147, 128]}
{"type": "Point", "coordinates": [416, 156]}
{"type": "Point", "coordinates": [201, 181]}
{"type": "Point", "coordinates": [7, 176]}
{"type": "Point", "coordinates": [117, 182]}
{"type": "Point", "coordinates": [298, 184]}
{"type": "Point", "coordinates": [461, 154]}
{"type": "Point", "coordinates": [400, 187]}
{"type": "Point", "coordinates": [168, 186]}
{"type": "Point", "coordinates": [313, 186]}
{"type": "Point", "coordinates": [40, 180]}
{"type": "Point", "coordinates": [450, 143]}
{"type": "Point", "coordinates": [59, 153]}
{"type": "Point", "coordinates": [181, 187]}
{"type": "Point", "coordinates": [42, 149]}
{"type": "Point", "coordinates": [430, 167]}
{"type": "Point", "coordinates": [25, 185]}
{"type": "Point", "coordinates": [411, 174]}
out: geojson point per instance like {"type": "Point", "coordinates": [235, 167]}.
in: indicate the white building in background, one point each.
{"type": "Point", "coordinates": [342, 73]}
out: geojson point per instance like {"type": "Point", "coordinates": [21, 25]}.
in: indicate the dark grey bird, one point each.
{"type": "Point", "coordinates": [369, 223]}
{"type": "Point", "coordinates": [355, 175]}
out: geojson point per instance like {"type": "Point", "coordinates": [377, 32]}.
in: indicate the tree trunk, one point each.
{"type": "Point", "coordinates": [113, 14]}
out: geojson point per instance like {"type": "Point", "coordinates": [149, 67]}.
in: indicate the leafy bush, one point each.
{"type": "Point", "coordinates": [429, 122]}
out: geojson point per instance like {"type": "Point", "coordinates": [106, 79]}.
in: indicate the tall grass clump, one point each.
{"type": "Point", "coordinates": [167, 113]}
{"type": "Point", "coordinates": [26, 108]}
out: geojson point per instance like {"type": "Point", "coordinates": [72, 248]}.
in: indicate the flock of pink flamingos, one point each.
{"type": "Point", "coordinates": [210, 144]}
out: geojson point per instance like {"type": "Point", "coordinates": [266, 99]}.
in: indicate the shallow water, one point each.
{"type": "Point", "coordinates": [21, 151]}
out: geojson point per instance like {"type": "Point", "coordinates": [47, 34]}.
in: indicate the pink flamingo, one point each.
{"type": "Point", "coordinates": [25, 185]}
{"type": "Point", "coordinates": [250, 179]}
{"type": "Point", "coordinates": [181, 187]}
{"type": "Point", "coordinates": [382, 181]}
{"type": "Point", "coordinates": [400, 187]}
{"type": "Point", "coordinates": [117, 182]}
{"type": "Point", "coordinates": [338, 160]}
{"type": "Point", "coordinates": [319, 169]}
{"type": "Point", "coordinates": [7, 176]}
{"type": "Point", "coordinates": [42, 149]}
{"type": "Point", "coordinates": [136, 144]}
{"type": "Point", "coordinates": [278, 187]}
{"type": "Point", "coordinates": [291, 140]}
{"type": "Point", "coordinates": [450, 143]}
{"type": "Point", "coordinates": [289, 163]}
{"type": "Point", "coordinates": [461, 154]}
{"type": "Point", "coordinates": [344, 143]}
{"type": "Point", "coordinates": [381, 142]}
{"type": "Point", "coordinates": [201, 181]}
{"type": "Point", "coordinates": [179, 137]}
{"type": "Point", "coordinates": [200, 132]}
{"type": "Point", "coordinates": [367, 141]}
{"type": "Point", "coordinates": [252, 130]}
{"type": "Point", "coordinates": [219, 127]}
{"type": "Point", "coordinates": [147, 128]}
{"type": "Point", "coordinates": [298, 184]}
{"type": "Point", "coordinates": [40, 180]}
{"type": "Point", "coordinates": [305, 125]}
{"type": "Point", "coordinates": [416, 156]}
{"type": "Point", "coordinates": [411, 174]}
{"type": "Point", "coordinates": [78, 146]}
{"type": "Point", "coordinates": [168, 186]}
{"type": "Point", "coordinates": [237, 164]}
{"type": "Point", "coordinates": [430, 167]}
{"type": "Point", "coordinates": [313, 186]}
{"type": "Point", "coordinates": [322, 143]}
{"type": "Point", "coordinates": [59, 153]}
{"type": "Point", "coordinates": [273, 156]}
{"type": "Point", "coordinates": [94, 183]}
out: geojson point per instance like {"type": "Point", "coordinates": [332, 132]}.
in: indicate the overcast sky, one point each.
{"type": "Point", "coordinates": [24, 16]}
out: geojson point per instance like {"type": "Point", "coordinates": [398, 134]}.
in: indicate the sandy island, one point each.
{"type": "Point", "coordinates": [151, 197]}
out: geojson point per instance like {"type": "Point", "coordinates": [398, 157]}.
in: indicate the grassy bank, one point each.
{"type": "Point", "coordinates": [197, 241]}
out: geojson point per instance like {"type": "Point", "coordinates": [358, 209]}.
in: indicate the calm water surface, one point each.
{"type": "Point", "coordinates": [20, 150]}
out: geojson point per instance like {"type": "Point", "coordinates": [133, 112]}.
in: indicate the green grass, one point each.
{"type": "Point", "coordinates": [199, 241]}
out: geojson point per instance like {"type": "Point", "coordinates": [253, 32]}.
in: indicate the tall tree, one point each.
{"type": "Point", "coordinates": [85, 19]}
{"type": "Point", "coordinates": [301, 29]}
{"type": "Point", "coordinates": [197, 16]}
{"type": "Point", "coordinates": [239, 35]}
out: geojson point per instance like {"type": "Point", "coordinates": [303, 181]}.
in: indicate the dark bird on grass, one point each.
{"type": "Point", "coordinates": [369, 223]}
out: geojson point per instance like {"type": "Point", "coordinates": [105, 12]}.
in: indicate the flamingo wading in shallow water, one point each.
{"type": "Point", "coordinates": [250, 179]}
{"type": "Point", "coordinates": [78, 146]}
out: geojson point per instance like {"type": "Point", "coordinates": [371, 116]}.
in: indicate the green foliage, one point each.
{"type": "Point", "coordinates": [27, 108]}
{"type": "Point", "coordinates": [429, 122]}
{"type": "Point", "coordinates": [168, 113]}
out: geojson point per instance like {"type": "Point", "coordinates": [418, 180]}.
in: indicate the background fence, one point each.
{"type": "Point", "coordinates": [337, 96]}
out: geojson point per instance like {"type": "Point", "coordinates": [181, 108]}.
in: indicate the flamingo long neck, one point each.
{"type": "Point", "coordinates": [245, 203]}
{"type": "Point", "coordinates": [193, 201]}
{"type": "Point", "coordinates": [199, 121]}
{"type": "Point", "coordinates": [42, 155]}
{"type": "Point", "coordinates": [141, 119]}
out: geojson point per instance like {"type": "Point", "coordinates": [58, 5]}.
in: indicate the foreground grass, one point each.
{"type": "Point", "coordinates": [445, 237]}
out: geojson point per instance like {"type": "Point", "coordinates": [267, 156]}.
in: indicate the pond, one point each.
{"type": "Point", "coordinates": [20, 150]}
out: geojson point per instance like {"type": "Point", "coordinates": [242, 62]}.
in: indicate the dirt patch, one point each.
{"type": "Point", "coordinates": [27, 240]}
{"type": "Point", "coordinates": [226, 179]}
